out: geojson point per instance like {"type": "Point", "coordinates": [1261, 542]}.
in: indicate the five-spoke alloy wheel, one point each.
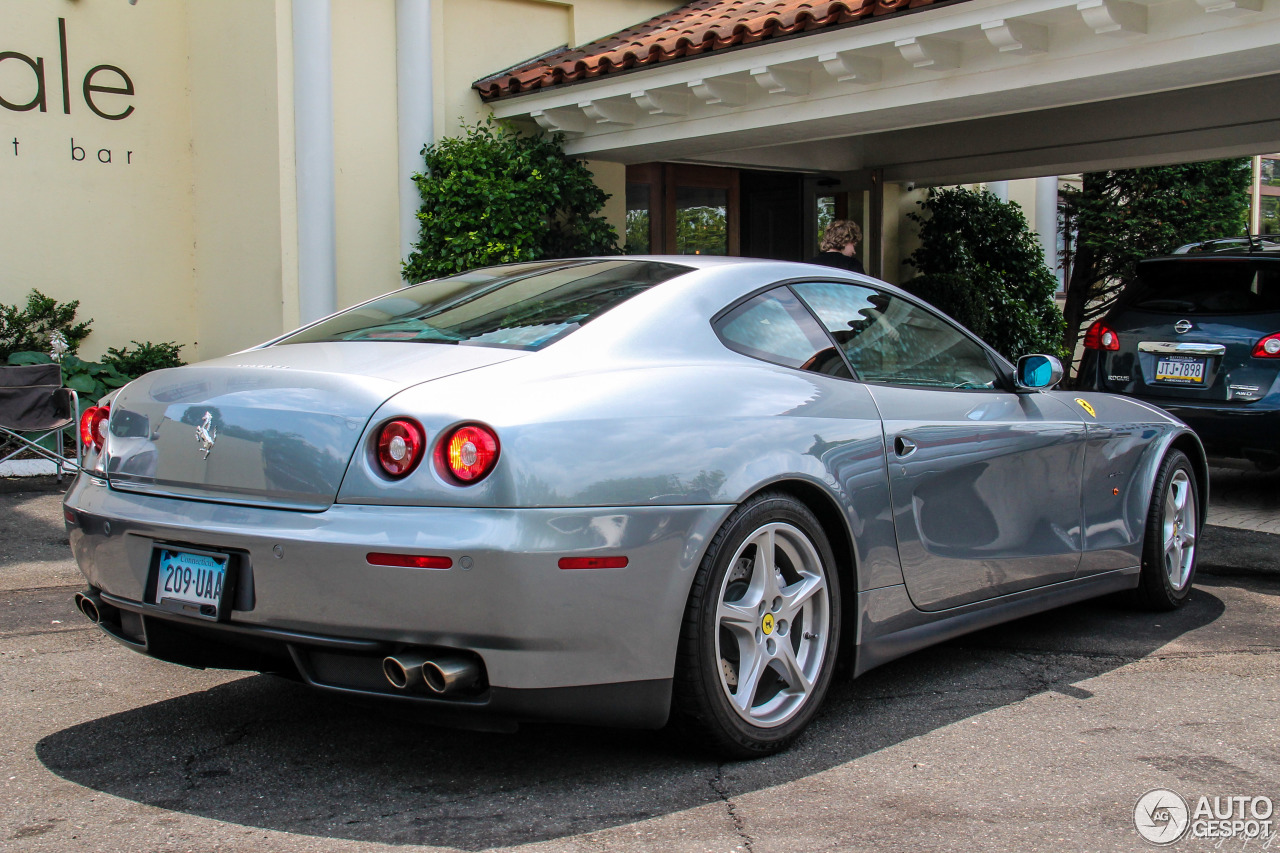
{"type": "Point", "coordinates": [762, 628]}
{"type": "Point", "coordinates": [1173, 527]}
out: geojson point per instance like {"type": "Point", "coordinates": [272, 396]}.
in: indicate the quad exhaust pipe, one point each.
{"type": "Point", "coordinates": [443, 675]}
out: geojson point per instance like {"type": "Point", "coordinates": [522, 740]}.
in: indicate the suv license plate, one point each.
{"type": "Point", "coordinates": [191, 583]}
{"type": "Point", "coordinates": [1187, 371]}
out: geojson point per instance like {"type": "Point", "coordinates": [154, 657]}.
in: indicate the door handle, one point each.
{"type": "Point", "coordinates": [903, 446]}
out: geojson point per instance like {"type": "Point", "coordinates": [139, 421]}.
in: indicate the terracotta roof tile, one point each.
{"type": "Point", "coordinates": [692, 29]}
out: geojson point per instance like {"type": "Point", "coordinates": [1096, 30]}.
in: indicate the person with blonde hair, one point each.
{"type": "Point", "coordinates": [839, 243]}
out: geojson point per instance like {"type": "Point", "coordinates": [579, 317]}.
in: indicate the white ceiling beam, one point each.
{"type": "Point", "coordinates": [933, 54]}
{"type": "Point", "coordinates": [847, 67]}
{"type": "Point", "coordinates": [657, 103]}
{"type": "Point", "coordinates": [1232, 8]}
{"type": "Point", "coordinates": [567, 120]}
{"type": "Point", "coordinates": [1019, 37]}
{"type": "Point", "coordinates": [782, 81]}
{"type": "Point", "coordinates": [616, 113]}
{"type": "Point", "coordinates": [719, 92]}
{"type": "Point", "coordinates": [1113, 17]}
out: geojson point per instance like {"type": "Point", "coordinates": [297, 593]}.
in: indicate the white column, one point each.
{"type": "Point", "coordinates": [1255, 197]}
{"type": "Point", "coordinates": [414, 94]}
{"type": "Point", "coordinates": [1047, 222]}
{"type": "Point", "coordinates": [313, 153]}
{"type": "Point", "coordinates": [999, 189]}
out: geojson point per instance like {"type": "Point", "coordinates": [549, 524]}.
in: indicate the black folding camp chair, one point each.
{"type": "Point", "coordinates": [34, 410]}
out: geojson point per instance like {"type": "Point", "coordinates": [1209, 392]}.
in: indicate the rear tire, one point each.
{"type": "Point", "coordinates": [761, 630]}
{"type": "Point", "coordinates": [1169, 550]}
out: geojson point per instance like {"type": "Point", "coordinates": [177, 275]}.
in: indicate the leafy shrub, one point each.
{"type": "Point", "coordinates": [983, 249]}
{"type": "Point", "coordinates": [29, 329]}
{"type": "Point", "coordinates": [493, 196]}
{"type": "Point", "coordinates": [144, 359]}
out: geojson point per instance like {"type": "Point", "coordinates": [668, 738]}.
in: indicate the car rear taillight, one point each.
{"type": "Point", "coordinates": [1100, 337]}
{"type": "Point", "coordinates": [1268, 347]}
{"type": "Point", "coordinates": [400, 445]}
{"type": "Point", "coordinates": [93, 426]}
{"type": "Point", "coordinates": [468, 454]}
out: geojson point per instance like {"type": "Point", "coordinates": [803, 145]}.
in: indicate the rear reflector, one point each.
{"type": "Point", "coordinates": [408, 561]}
{"type": "Point", "coordinates": [593, 562]}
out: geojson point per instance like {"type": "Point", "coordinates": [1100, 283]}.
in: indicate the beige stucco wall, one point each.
{"type": "Point", "coordinates": [117, 236]}
{"type": "Point", "coordinates": [189, 233]}
{"type": "Point", "coordinates": [242, 171]}
{"type": "Point", "coordinates": [475, 38]}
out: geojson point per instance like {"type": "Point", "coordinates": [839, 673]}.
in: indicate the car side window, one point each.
{"type": "Point", "coordinates": [775, 327]}
{"type": "Point", "coordinates": [891, 341]}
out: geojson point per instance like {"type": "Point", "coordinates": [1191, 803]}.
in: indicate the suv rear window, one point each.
{"type": "Point", "coordinates": [520, 306]}
{"type": "Point", "coordinates": [1207, 286]}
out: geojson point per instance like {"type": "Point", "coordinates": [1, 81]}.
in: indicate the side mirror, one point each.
{"type": "Point", "coordinates": [1037, 373]}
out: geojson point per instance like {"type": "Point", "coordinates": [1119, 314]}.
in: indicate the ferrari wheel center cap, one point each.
{"type": "Point", "coordinates": [766, 624]}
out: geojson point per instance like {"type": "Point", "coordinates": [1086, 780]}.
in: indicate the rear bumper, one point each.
{"type": "Point", "coordinates": [306, 601]}
{"type": "Point", "coordinates": [353, 669]}
{"type": "Point", "coordinates": [1242, 431]}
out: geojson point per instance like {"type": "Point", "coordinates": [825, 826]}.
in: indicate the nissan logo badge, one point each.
{"type": "Point", "coordinates": [1182, 327]}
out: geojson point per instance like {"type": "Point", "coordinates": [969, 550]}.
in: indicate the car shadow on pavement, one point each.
{"type": "Point", "coordinates": [264, 752]}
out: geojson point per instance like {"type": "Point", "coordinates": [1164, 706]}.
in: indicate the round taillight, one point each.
{"type": "Point", "coordinates": [1099, 337]}
{"type": "Point", "coordinates": [400, 445]}
{"type": "Point", "coordinates": [93, 426]}
{"type": "Point", "coordinates": [1268, 347]}
{"type": "Point", "coordinates": [469, 453]}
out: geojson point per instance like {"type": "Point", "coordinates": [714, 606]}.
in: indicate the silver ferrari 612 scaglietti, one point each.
{"type": "Point", "coordinates": [618, 490]}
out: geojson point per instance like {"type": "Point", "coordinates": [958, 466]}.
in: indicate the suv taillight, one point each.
{"type": "Point", "coordinates": [1268, 347]}
{"type": "Point", "coordinates": [1100, 337]}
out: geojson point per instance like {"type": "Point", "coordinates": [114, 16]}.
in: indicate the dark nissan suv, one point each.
{"type": "Point", "coordinates": [1198, 334]}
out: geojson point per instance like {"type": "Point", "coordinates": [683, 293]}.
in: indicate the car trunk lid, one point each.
{"type": "Point", "coordinates": [270, 427]}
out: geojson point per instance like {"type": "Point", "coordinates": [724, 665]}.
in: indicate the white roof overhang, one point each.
{"type": "Point", "coordinates": [983, 89]}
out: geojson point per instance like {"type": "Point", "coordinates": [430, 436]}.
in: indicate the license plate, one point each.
{"type": "Point", "coordinates": [1188, 371]}
{"type": "Point", "coordinates": [191, 583]}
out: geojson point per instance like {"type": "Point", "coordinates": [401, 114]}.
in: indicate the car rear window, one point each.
{"type": "Point", "coordinates": [1206, 286]}
{"type": "Point", "coordinates": [519, 306]}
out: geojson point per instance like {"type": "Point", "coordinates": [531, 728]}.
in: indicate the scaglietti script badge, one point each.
{"type": "Point", "coordinates": [206, 434]}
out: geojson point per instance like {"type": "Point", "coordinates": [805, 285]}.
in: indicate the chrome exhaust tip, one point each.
{"type": "Point", "coordinates": [450, 674]}
{"type": "Point", "coordinates": [404, 671]}
{"type": "Point", "coordinates": [89, 607]}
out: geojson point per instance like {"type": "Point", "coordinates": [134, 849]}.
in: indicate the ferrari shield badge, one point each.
{"type": "Point", "coordinates": [206, 434]}
{"type": "Point", "coordinates": [1085, 405]}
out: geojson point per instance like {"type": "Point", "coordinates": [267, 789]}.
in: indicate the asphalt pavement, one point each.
{"type": "Point", "coordinates": [1037, 735]}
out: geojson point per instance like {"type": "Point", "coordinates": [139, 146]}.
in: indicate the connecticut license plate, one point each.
{"type": "Point", "coordinates": [191, 583]}
{"type": "Point", "coordinates": [1188, 371]}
